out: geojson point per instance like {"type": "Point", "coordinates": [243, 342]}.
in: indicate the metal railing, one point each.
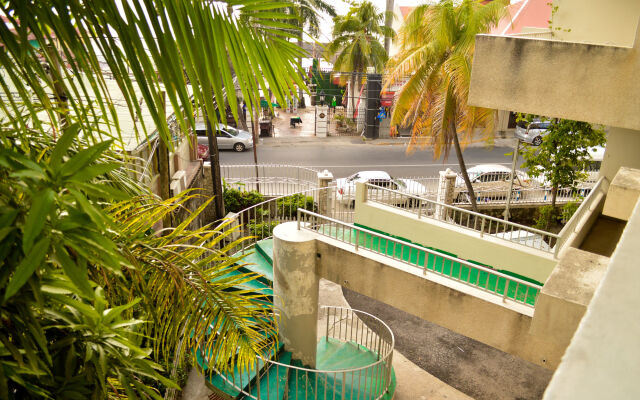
{"type": "Point", "coordinates": [257, 222]}
{"type": "Point", "coordinates": [459, 217]}
{"type": "Point", "coordinates": [371, 381]}
{"type": "Point", "coordinates": [271, 179]}
{"type": "Point", "coordinates": [522, 196]}
{"type": "Point", "coordinates": [427, 260]}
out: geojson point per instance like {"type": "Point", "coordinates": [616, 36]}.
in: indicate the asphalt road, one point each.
{"type": "Point", "coordinates": [345, 158]}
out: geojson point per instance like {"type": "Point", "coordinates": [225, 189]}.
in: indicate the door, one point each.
{"type": "Point", "coordinates": [225, 141]}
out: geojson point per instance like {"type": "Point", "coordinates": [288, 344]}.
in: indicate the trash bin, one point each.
{"type": "Point", "coordinates": [266, 129]}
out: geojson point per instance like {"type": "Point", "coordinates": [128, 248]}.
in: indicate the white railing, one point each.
{"type": "Point", "coordinates": [522, 196]}
{"type": "Point", "coordinates": [257, 222]}
{"type": "Point", "coordinates": [344, 325]}
{"type": "Point", "coordinates": [269, 179]}
{"type": "Point", "coordinates": [459, 217]}
{"type": "Point", "coordinates": [473, 275]}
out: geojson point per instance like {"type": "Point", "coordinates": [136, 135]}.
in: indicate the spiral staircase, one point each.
{"type": "Point", "coordinates": [352, 360]}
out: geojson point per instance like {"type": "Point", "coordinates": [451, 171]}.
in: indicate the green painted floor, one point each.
{"type": "Point", "coordinates": [472, 276]}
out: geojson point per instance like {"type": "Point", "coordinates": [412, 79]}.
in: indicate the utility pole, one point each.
{"type": "Point", "coordinates": [255, 125]}
{"type": "Point", "coordinates": [514, 160]}
{"type": "Point", "coordinates": [216, 179]}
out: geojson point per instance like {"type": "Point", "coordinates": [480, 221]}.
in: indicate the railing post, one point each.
{"type": "Point", "coordinates": [482, 227]}
{"type": "Point", "coordinates": [298, 217]}
{"type": "Point", "coordinates": [419, 208]}
{"type": "Point", "coordinates": [357, 239]}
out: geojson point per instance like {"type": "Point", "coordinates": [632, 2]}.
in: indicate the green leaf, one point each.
{"type": "Point", "coordinates": [40, 208]}
{"type": "Point", "coordinates": [27, 266]}
{"type": "Point", "coordinates": [77, 273]}
{"type": "Point", "coordinates": [63, 145]}
{"type": "Point", "coordinates": [84, 158]}
{"type": "Point", "coordinates": [88, 173]}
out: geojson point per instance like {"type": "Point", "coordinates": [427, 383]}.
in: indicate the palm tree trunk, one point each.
{"type": "Point", "coordinates": [353, 95]}
{"type": "Point", "coordinates": [463, 169]}
{"type": "Point", "coordinates": [387, 22]}
{"type": "Point", "coordinates": [300, 94]}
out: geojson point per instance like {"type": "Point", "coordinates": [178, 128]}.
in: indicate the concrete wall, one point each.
{"type": "Point", "coordinates": [453, 305]}
{"type": "Point", "coordinates": [583, 82]}
{"type": "Point", "coordinates": [602, 360]}
{"type": "Point", "coordinates": [466, 244]}
{"type": "Point", "coordinates": [611, 22]}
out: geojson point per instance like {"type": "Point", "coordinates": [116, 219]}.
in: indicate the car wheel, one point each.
{"type": "Point", "coordinates": [239, 147]}
{"type": "Point", "coordinates": [537, 141]}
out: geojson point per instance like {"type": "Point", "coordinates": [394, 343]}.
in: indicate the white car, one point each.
{"type": "Point", "coordinates": [346, 187]}
{"type": "Point", "coordinates": [491, 183]}
{"type": "Point", "coordinates": [228, 137]}
{"type": "Point", "coordinates": [532, 132]}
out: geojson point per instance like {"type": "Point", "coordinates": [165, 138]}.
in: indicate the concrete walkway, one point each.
{"type": "Point", "coordinates": [413, 383]}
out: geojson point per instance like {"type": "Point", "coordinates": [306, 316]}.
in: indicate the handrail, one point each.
{"type": "Point", "coordinates": [381, 343]}
{"type": "Point", "coordinates": [317, 218]}
{"type": "Point", "coordinates": [449, 216]}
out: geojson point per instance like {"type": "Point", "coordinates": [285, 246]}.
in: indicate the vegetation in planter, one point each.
{"type": "Point", "coordinates": [289, 205]}
{"type": "Point", "coordinates": [262, 229]}
{"type": "Point", "coordinates": [236, 200]}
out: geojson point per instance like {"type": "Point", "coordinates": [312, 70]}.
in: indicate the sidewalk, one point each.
{"type": "Point", "coordinates": [284, 134]}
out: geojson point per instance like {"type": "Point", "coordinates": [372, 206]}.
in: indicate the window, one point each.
{"type": "Point", "coordinates": [232, 131]}
{"type": "Point", "coordinates": [222, 134]}
{"type": "Point", "coordinates": [201, 132]}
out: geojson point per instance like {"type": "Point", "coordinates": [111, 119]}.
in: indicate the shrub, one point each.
{"type": "Point", "coordinates": [568, 210]}
{"type": "Point", "coordinates": [236, 200]}
{"type": "Point", "coordinates": [289, 205]}
{"type": "Point", "coordinates": [547, 216]}
{"type": "Point", "coordinates": [263, 229]}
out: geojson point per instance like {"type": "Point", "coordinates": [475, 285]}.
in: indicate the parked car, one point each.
{"type": "Point", "coordinates": [491, 183]}
{"type": "Point", "coordinates": [532, 132]}
{"type": "Point", "coordinates": [346, 187]}
{"type": "Point", "coordinates": [228, 137]}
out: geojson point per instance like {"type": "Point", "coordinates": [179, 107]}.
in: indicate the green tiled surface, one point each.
{"type": "Point", "coordinates": [470, 275]}
{"type": "Point", "coordinates": [255, 262]}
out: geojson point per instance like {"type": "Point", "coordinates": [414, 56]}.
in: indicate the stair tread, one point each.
{"type": "Point", "coordinates": [265, 248]}
{"type": "Point", "coordinates": [256, 262]}
{"type": "Point", "coordinates": [273, 385]}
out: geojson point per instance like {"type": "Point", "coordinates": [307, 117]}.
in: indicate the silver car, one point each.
{"type": "Point", "coordinates": [228, 137]}
{"type": "Point", "coordinates": [532, 132]}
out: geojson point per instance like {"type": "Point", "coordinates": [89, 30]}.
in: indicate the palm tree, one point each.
{"type": "Point", "coordinates": [93, 303]}
{"type": "Point", "coordinates": [356, 42]}
{"type": "Point", "coordinates": [308, 18]}
{"type": "Point", "coordinates": [434, 67]}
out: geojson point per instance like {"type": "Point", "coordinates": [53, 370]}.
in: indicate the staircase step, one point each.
{"type": "Point", "coordinates": [256, 262]}
{"type": "Point", "coordinates": [265, 248]}
{"type": "Point", "coordinates": [273, 382]}
{"type": "Point", "coordinates": [252, 285]}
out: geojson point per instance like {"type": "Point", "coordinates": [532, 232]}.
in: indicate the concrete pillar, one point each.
{"type": "Point", "coordinates": [446, 186]}
{"type": "Point", "coordinates": [325, 195]}
{"type": "Point", "coordinates": [322, 118]}
{"type": "Point", "coordinates": [621, 151]}
{"type": "Point", "coordinates": [295, 290]}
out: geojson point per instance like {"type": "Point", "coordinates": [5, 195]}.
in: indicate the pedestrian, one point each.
{"type": "Point", "coordinates": [333, 103]}
{"type": "Point", "coordinates": [322, 97]}
{"type": "Point", "coordinates": [244, 111]}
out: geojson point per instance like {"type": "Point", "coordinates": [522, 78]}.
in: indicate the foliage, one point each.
{"type": "Point", "coordinates": [262, 229]}
{"type": "Point", "coordinates": [289, 205]}
{"type": "Point", "coordinates": [547, 217]}
{"type": "Point", "coordinates": [356, 39]}
{"type": "Point", "coordinates": [93, 303]}
{"type": "Point", "coordinates": [308, 14]}
{"type": "Point", "coordinates": [563, 156]}
{"type": "Point", "coordinates": [436, 45]}
{"type": "Point", "coordinates": [568, 210]}
{"type": "Point", "coordinates": [236, 200]}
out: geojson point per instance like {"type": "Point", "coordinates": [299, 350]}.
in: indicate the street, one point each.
{"type": "Point", "coordinates": [348, 155]}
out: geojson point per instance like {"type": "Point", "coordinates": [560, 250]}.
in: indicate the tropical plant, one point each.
{"type": "Point", "coordinates": [356, 42]}
{"type": "Point", "coordinates": [93, 302]}
{"type": "Point", "coordinates": [433, 66]}
{"type": "Point", "coordinates": [289, 205]}
{"type": "Point", "coordinates": [563, 156]}
{"type": "Point", "coordinates": [236, 200]}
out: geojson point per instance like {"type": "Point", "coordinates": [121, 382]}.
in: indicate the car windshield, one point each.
{"type": "Point", "coordinates": [231, 131]}
{"type": "Point", "coordinates": [522, 124]}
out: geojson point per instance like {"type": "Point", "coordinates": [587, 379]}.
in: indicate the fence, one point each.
{"type": "Point", "coordinates": [522, 196]}
{"type": "Point", "coordinates": [344, 325]}
{"type": "Point", "coordinates": [483, 224]}
{"type": "Point", "coordinates": [270, 179]}
{"type": "Point", "coordinates": [429, 261]}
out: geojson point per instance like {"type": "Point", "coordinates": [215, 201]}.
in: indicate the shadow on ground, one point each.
{"type": "Point", "coordinates": [478, 370]}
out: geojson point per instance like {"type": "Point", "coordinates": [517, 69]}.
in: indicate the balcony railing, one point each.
{"type": "Point", "coordinates": [484, 225]}
{"type": "Point", "coordinates": [343, 325]}
{"type": "Point", "coordinates": [427, 260]}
